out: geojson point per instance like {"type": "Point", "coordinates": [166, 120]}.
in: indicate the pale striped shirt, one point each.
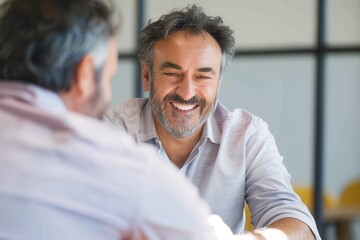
{"type": "Point", "coordinates": [236, 160]}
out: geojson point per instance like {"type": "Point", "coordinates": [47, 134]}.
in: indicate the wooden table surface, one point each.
{"type": "Point", "coordinates": [342, 217]}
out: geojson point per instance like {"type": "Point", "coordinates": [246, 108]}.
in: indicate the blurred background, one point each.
{"type": "Point", "coordinates": [297, 66]}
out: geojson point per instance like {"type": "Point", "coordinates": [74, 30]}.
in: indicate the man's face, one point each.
{"type": "Point", "coordinates": [101, 97]}
{"type": "Point", "coordinates": [184, 82]}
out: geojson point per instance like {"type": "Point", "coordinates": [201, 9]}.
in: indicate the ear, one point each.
{"type": "Point", "coordinates": [145, 76]}
{"type": "Point", "coordinates": [84, 82]}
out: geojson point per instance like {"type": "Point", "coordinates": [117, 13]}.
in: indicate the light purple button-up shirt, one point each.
{"type": "Point", "coordinates": [66, 176]}
{"type": "Point", "coordinates": [235, 160]}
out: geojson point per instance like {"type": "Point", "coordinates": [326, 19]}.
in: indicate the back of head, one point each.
{"type": "Point", "coordinates": [42, 41]}
{"type": "Point", "coordinates": [191, 19]}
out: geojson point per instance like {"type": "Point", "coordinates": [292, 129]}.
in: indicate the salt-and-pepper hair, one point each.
{"type": "Point", "coordinates": [191, 19]}
{"type": "Point", "coordinates": [42, 41]}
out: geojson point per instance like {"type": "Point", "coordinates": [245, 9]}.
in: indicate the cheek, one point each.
{"type": "Point", "coordinates": [162, 89]}
{"type": "Point", "coordinates": [210, 92]}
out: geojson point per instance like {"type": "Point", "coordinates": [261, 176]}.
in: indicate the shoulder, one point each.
{"type": "Point", "coordinates": [127, 111]}
{"type": "Point", "coordinates": [112, 149]}
{"type": "Point", "coordinates": [96, 132]}
{"type": "Point", "coordinates": [128, 116]}
{"type": "Point", "coordinates": [237, 120]}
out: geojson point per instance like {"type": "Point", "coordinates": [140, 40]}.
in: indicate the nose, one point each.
{"type": "Point", "coordinates": [186, 88]}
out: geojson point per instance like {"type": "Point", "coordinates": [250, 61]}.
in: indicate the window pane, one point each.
{"type": "Point", "coordinates": [281, 91]}
{"type": "Point", "coordinates": [342, 151]}
{"type": "Point", "coordinates": [123, 84]}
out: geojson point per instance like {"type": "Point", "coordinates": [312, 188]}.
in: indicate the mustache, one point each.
{"type": "Point", "coordinates": [179, 99]}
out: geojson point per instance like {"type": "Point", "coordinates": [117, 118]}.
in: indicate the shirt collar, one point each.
{"type": "Point", "coordinates": [147, 125]}
{"type": "Point", "coordinates": [211, 129]}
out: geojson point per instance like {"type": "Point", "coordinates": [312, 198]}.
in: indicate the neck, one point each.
{"type": "Point", "coordinates": [177, 149]}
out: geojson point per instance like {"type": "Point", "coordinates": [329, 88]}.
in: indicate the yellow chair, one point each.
{"type": "Point", "coordinates": [350, 196]}
{"type": "Point", "coordinates": [248, 226]}
{"type": "Point", "coordinates": [306, 194]}
{"type": "Point", "coordinates": [349, 205]}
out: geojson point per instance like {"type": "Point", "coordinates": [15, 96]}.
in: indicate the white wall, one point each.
{"type": "Point", "coordinates": [256, 23]}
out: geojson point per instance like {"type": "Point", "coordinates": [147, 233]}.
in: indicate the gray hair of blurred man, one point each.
{"type": "Point", "coordinates": [42, 41]}
{"type": "Point", "coordinates": [191, 19]}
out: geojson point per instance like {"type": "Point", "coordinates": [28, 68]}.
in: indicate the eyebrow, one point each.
{"type": "Point", "coordinates": [206, 69]}
{"type": "Point", "coordinates": [168, 64]}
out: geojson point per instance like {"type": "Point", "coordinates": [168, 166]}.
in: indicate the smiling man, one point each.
{"type": "Point", "coordinates": [230, 156]}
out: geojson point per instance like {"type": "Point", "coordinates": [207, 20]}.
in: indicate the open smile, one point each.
{"type": "Point", "coordinates": [184, 107]}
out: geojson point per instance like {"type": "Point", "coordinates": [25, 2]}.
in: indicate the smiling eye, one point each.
{"type": "Point", "coordinates": [203, 77]}
{"type": "Point", "coordinates": [170, 74]}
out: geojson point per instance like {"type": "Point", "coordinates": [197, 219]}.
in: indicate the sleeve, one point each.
{"type": "Point", "coordinates": [171, 208]}
{"type": "Point", "coordinates": [269, 193]}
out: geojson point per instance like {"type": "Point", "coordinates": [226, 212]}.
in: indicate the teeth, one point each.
{"type": "Point", "coordinates": [183, 107]}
